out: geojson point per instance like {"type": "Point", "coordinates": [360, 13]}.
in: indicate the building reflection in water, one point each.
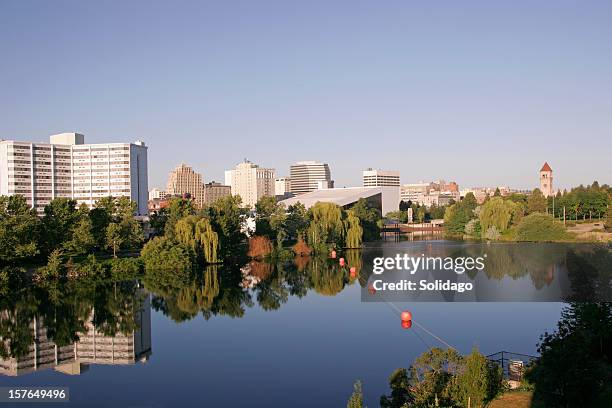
{"type": "Point", "coordinates": [93, 347]}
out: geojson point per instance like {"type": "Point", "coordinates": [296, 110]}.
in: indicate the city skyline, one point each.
{"type": "Point", "coordinates": [474, 85]}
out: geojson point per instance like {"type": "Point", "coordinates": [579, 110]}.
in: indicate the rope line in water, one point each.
{"type": "Point", "coordinates": [417, 323]}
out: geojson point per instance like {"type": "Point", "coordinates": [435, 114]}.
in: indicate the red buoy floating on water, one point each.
{"type": "Point", "coordinates": [371, 290]}
{"type": "Point", "coordinates": [353, 271]}
{"type": "Point", "coordinates": [333, 254]}
{"type": "Point", "coordinates": [341, 261]}
{"type": "Point", "coordinates": [406, 316]}
{"type": "Point", "coordinates": [406, 324]}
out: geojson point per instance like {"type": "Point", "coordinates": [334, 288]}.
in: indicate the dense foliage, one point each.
{"type": "Point", "coordinates": [444, 378]}
{"type": "Point", "coordinates": [540, 227]}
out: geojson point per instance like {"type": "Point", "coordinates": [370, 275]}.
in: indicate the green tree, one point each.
{"type": "Point", "coordinates": [114, 237]}
{"type": "Point", "coordinates": [369, 217]}
{"type": "Point", "coordinates": [420, 214]}
{"type": "Point", "coordinates": [228, 218]}
{"type": "Point", "coordinates": [575, 364]}
{"type": "Point", "coordinates": [536, 202]}
{"type": "Point", "coordinates": [540, 227]}
{"type": "Point", "coordinates": [161, 253]}
{"type": "Point", "coordinates": [477, 382]}
{"type": "Point", "coordinates": [356, 399]}
{"type": "Point", "coordinates": [497, 192]}
{"type": "Point", "coordinates": [59, 218]}
{"type": "Point", "coordinates": [354, 231]}
{"type": "Point", "coordinates": [400, 390]}
{"type": "Point", "coordinates": [609, 218]}
{"type": "Point", "coordinates": [326, 226]}
{"type": "Point", "coordinates": [19, 230]}
{"type": "Point", "coordinates": [296, 221]}
{"type": "Point", "coordinates": [459, 214]}
{"type": "Point", "coordinates": [498, 213]}
{"type": "Point", "coordinates": [82, 239]}
{"type": "Point", "coordinates": [264, 208]}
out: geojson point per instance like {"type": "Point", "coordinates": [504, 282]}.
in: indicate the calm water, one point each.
{"type": "Point", "coordinates": [293, 334]}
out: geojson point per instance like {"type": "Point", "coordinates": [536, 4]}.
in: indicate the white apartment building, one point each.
{"type": "Point", "coordinates": [307, 176]}
{"type": "Point", "coordinates": [67, 167]}
{"type": "Point", "coordinates": [380, 178]}
{"type": "Point", "coordinates": [250, 182]}
{"type": "Point", "coordinates": [282, 185]}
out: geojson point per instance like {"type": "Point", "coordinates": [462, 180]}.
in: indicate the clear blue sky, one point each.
{"type": "Point", "coordinates": [478, 92]}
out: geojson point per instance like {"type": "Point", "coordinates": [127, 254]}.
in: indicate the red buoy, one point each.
{"type": "Point", "coordinates": [406, 324]}
{"type": "Point", "coordinates": [333, 254]}
{"type": "Point", "coordinates": [341, 261]}
{"type": "Point", "coordinates": [406, 316]}
{"type": "Point", "coordinates": [353, 271]}
{"type": "Point", "coordinates": [371, 290]}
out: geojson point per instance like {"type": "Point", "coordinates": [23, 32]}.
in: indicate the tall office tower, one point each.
{"type": "Point", "coordinates": [282, 185]}
{"type": "Point", "coordinates": [183, 180]}
{"type": "Point", "coordinates": [307, 176]}
{"type": "Point", "coordinates": [250, 182]}
{"type": "Point", "coordinates": [546, 180]}
{"type": "Point", "coordinates": [380, 178]}
{"type": "Point", "coordinates": [67, 167]}
{"type": "Point", "coordinates": [214, 191]}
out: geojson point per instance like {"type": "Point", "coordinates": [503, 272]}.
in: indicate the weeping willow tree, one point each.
{"type": "Point", "coordinates": [498, 213]}
{"type": "Point", "coordinates": [325, 226]}
{"type": "Point", "coordinates": [354, 231]}
{"type": "Point", "coordinates": [326, 279]}
{"type": "Point", "coordinates": [184, 231]}
{"type": "Point", "coordinates": [200, 295]}
{"type": "Point", "coordinates": [208, 240]}
{"type": "Point", "coordinates": [198, 234]}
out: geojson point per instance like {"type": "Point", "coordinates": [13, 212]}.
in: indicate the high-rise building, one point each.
{"type": "Point", "coordinates": [380, 178]}
{"type": "Point", "coordinates": [546, 180]}
{"type": "Point", "coordinates": [250, 182]}
{"type": "Point", "coordinates": [309, 176]}
{"type": "Point", "coordinates": [184, 180]}
{"type": "Point", "coordinates": [282, 186]}
{"type": "Point", "coordinates": [214, 191]}
{"type": "Point", "coordinates": [67, 167]}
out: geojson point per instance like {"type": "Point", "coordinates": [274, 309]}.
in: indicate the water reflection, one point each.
{"type": "Point", "coordinates": [70, 325]}
{"type": "Point", "coordinates": [88, 324]}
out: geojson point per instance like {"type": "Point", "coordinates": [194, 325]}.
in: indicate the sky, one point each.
{"type": "Point", "coordinates": [478, 92]}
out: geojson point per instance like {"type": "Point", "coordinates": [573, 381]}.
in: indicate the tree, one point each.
{"type": "Point", "coordinates": [114, 237]}
{"type": "Point", "coordinates": [540, 227]}
{"type": "Point", "coordinates": [162, 254]}
{"type": "Point", "coordinates": [57, 222]}
{"type": "Point", "coordinates": [227, 218]}
{"type": "Point", "coordinates": [574, 368]}
{"type": "Point", "coordinates": [356, 399]}
{"type": "Point", "coordinates": [296, 221]}
{"type": "Point", "coordinates": [208, 240]}
{"type": "Point", "coordinates": [264, 208]}
{"type": "Point", "coordinates": [421, 212]}
{"type": "Point", "coordinates": [400, 390]}
{"type": "Point", "coordinates": [459, 214]}
{"type": "Point", "coordinates": [369, 217]}
{"type": "Point", "coordinates": [497, 192]}
{"type": "Point", "coordinates": [477, 382]}
{"type": "Point", "coordinates": [609, 218]}
{"type": "Point", "coordinates": [498, 213]}
{"type": "Point", "coordinates": [536, 202]}
{"type": "Point", "coordinates": [354, 231]}
{"type": "Point", "coordinates": [82, 239]}
{"type": "Point", "coordinates": [326, 226]}
{"type": "Point", "coordinates": [19, 229]}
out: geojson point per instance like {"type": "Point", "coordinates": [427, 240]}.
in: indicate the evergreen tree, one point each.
{"type": "Point", "coordinates": [19, 230]}
{"type": "Point", "coordinates": [536, 202]}
{"type": "Point", "coordinates": [356, 400]}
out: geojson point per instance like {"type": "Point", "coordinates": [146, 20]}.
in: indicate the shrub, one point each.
{"type": "Point", "coordinates": [259, 247]}
{"type": "Point", "coordinates": [125, 268]}
{"type": "Point", "coordinates": [163, 253]}
{"type": "Point", "coordinates": [540, 227]}
{"type": "Point", "coordinates": [301, 247]}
